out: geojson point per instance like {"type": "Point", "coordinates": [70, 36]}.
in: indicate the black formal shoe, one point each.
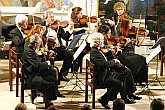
{"type": "Point", "coordinates": [135, 97]}
{"type": "Point", "coordinates": [58, 94]}
{"type": "Point", "coordinates": [63, 78]}
{"type": "Point", "coordinates": [104, 103]}
{"type": "Point", "coordinates": [129, 101]}
{"type": "Point", "coordinates": [33, 95]}
{"type": "Point", "coordinates": [48, 103]}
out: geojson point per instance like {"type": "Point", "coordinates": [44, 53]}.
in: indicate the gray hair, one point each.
{"type": "Point", "coordinates": [34, 39]}
{"type": "Point", "coordinates": [97, 39]}
{"type": "Point", "coordinates": [19, 18]}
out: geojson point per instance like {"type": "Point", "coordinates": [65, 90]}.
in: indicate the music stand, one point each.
{"type": "Point", "coordinates": [154, 53]}
{"type": "Point", "coordinates": [75, 74]}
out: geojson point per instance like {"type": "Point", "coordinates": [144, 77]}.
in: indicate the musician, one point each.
{"type": "Point", "coordinates": [39, 74]}
{"type": "Point", "coordinates": [136, 63]}
{"type": "Point", "coordinates": [17, 34]}
{"type": "Point", "coordinates": [109, 4]}
{"type": "Point", "coordinates": [116, 17]}
{"type": "Point", "coordinates": [58, 34]}
{"type": "Point", "coordinates": [131, 39]}
{"type": "Point", "coordinates": [79, 29]}
{"type": "Point", "coordinates": [108, 75]}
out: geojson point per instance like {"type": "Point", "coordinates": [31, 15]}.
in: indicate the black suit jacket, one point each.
{"type": "Point", "coordinates": [32, 63]}
{"type": "Point", "coordinates": [17, 40]}
{"type": "Point", "coordinates": [102, 66]}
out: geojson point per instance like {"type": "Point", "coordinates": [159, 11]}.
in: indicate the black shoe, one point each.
{"type": "Point", "coordinates": [48, 103]}
{"type": "Point", "coordinates": [135, 97]}
{"type": "Point", "coordinates": [58, 94]}
{"type": "Point", "coordinates": [104, 103]}
{"type": "Point", "coordinates": [129, 101]}
{"type": "Point", "coordinates": [33, 95]}
{"type": "Point", "coordinates": [63, 78]}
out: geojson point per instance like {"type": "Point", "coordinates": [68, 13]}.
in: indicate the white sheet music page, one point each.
{"type": "Point", "coordinates": [153, 54]}
{"type": "Point", "coordinates": [81, 47]}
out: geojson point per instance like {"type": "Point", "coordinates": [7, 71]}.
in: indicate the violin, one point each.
{"type": "Point", "coordinates": [27, 30]}
{"type": "Point", "coordinates": [113, 40]}
{"type": "Point", "coordinates": [85, 19]}
{"type": "Point", "coordinates": [122, 16]}
{"type": "Point", "coordinates": [140, 31]}
{"type": "Point", "coordinates": [59, 23]}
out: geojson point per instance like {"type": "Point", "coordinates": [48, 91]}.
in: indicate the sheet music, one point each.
{"type": "Point", "coordinates": [81, 48]}
{"type": "Point", "coordinates": [153, 54]}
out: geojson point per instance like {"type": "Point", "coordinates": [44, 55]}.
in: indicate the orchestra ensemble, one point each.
{"type": "Point", "coordinates": [110, 43]}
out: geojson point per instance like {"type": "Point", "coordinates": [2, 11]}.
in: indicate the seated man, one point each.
{"type": "Point", "coordinates": [106, 75]}
{"type": "Point", "coordinates": [17, 34]}
{"type": "Point", "coordinates": [39, 74]}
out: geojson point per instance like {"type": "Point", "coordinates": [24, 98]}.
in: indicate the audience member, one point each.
{"type": "Point", "coordinates": [118, 104]}
{"type": "Point", "coordinates": [157, 104]}
{"type": "Point", "coordinates": [86, 107]}
{"type": "Point", "coordinates": [52, 107]}
{"type": "Point", "coordinates": [21, 106]}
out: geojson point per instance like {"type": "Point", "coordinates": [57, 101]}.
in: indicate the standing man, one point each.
{"type": "Point", "coordinates": [17, 34]}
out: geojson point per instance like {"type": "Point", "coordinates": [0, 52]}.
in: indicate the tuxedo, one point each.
{"type": "Point", "coordinates": [17, 40]}
{"type": "Point", "coordinates": [39, 74]}
{"type": "Point", "coordinates": [111, 76]}
{"type": "Point", "coordinates": [103, 74]}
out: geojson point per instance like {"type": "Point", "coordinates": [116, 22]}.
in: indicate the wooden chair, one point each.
{"type": "Point", "coordinates": [90, 81]}
{"type": "Point", "coordinates": [14, 69]}
{"type": "Point", "coordinates": [151, 16]}
{"type": "Point", "coordinates": [24, 86]}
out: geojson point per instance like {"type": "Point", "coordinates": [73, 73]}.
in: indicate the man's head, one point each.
{"type": "Point", "coordinates": [157, 104]}
{"type": "Point", "coordinates": [119, 8]}
{"type": "Point", "coordinates": [97, 40]}
{"type": "Point", "coordinates": [21, 106]}
{"type": "Point", "coordinates": [21, 21]}
{"type": "Point", "coordinates": [34, 41]}
{"type": "Point", "coordinates": [49, 17]}
{"type": "Point", "coordinates": [118, 104]}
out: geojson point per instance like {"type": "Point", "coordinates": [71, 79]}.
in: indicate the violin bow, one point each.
{"type": "Point", "coordinates": [138, 26]}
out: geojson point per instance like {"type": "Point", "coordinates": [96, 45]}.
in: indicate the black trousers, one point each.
{"type": "Point", "coordinates": [125, 75]}
{"type": "Point", "coordinates": [67, 57]}
{"type": "Point", "coordinates": [45, 80]}
{"type": "Point", "coordinates": [113, 87]}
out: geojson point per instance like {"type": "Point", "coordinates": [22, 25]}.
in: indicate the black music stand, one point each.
{"type": "Point", "coordinates": [155, 52]}
{"type": "Point", "coordinates": [76, 54]}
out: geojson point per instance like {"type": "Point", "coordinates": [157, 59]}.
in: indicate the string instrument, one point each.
{"type": "Point", "coordinates": [85, 19]}
{"type": "Point", "coordinates": [140, 31]}
{"type": "Point", "coordinates": [27, 30]}
{"type": "Point", "coordinates": [59, 23]}
{"type": "Point", "coordinates": [114, 40]}
{"type": "Point", "coordinates": [44, 51]}
{"type": "Point", "coordinates": [122, 16]}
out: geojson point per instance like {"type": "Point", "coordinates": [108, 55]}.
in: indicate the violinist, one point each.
{"type": "Point", "coordinates": [58, 34]}
{"type": "Point", "coordinates": [79, 29]}
{"type": "Point", "coordinates": [116, 16]}
{"type": "Point", "coordinates": [76, 17]}
{"type": "Point", "coordinates": [37, 32]}
{"type": "Point", "coordinates": [130, 40]}
{"type": "Point", "coordinates": [17, 34]}
{"type": "Point", "coordinates": [105, 67]}
{"type": "Point", "coordinates": [136, 63]}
